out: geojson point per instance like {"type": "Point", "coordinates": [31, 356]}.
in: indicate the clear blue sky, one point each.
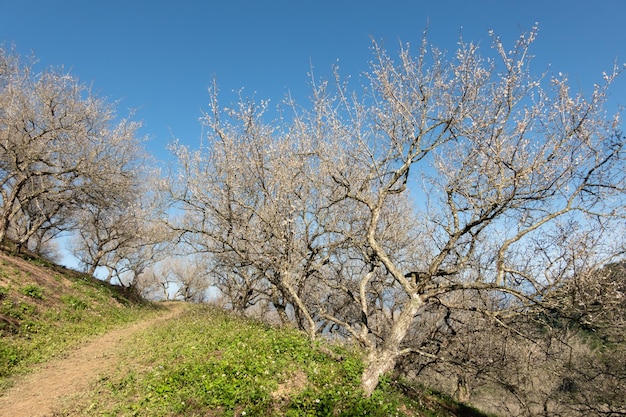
{"type": "Point", "coordinates": [159, 57]}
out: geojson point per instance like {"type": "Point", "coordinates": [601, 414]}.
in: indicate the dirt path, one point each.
{"type": "Point", "coordinates": [37, 394]}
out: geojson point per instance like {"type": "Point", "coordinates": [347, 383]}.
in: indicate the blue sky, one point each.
{"type": "Point", "coordinates": [159, 57]}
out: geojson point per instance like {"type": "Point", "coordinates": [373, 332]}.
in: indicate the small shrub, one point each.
{"type": "Point", "coordinates": [17, 310]}
{"type": "Point", "coordinates": [9, 358]}
{"type": "Point", "coordinates": [33, 291]}
{"type": "Point", "coordinates": [74, 302]}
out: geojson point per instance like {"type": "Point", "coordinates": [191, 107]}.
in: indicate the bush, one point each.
{"type": "Point", "coordinates": [33, 291]}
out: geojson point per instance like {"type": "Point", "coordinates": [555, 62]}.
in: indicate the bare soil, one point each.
{"type": "Point", "coordinates": [39, 393]}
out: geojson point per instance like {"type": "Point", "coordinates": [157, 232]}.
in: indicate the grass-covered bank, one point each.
{"type": "Point", "coordinates": [45, 310]}
{"type": "Point", "coordinates": [208, 362]}
{"type": "Point", "coordinates": [202, 362]}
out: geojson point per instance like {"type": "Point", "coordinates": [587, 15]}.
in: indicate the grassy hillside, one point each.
{"type": "Point", "coordinates": [206, 362]}
{"type": "Point", "coordinates": [46, 309]}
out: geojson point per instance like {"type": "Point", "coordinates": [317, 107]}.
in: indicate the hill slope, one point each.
{"type": "Point", "coordinates": [40, 392]}
{"type": "Point", "coordinates": [76, 338]}
{"type": "Point", "coordinates": [46, 310]}
{"type": "Point", "coordinates": [208, 362]}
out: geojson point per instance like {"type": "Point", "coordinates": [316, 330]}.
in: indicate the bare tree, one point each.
{"type": "Point", "coordinates": [249, 198]}
{"type": "Point", "coordinates": [61, 149]}
{"type": "Point", "coordinates": [522, 184]}
{"type": "Point", "coordinates": [187, 278]}
{"type": "Point", "coordinates": [516, 185]}
{"type": "Point", "coordinates": [153, 283]}
{"type": "Point", "coordinates": [123, 236]}
{"type": "Point", "coordinates": [190, 278]}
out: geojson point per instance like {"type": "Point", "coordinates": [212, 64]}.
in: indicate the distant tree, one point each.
{"type": "Point", "coordinates": [241, 286]}
{"type": "Point", "coordinates": [185, 278]}
{"type": "Point", "coordinates": [516, 185]}
{"type": "Point", "coordinates": [122, 237]}
{"type": "Point", "coordinates": [61, 149]}
{"type": "Point", "coordinates": [190, 278]}
{"type": "Point", "coordinates": [152, 284]}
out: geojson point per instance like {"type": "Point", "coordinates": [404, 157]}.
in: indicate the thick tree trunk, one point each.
{"type": "Point", "coordinates": [5, 219]}
{"type": "Point", "coordinates": [378, 364]}
{"type": "Point", "coordinates": [10, 205]}
{"type": "Point", "coordinates": [382, 360]}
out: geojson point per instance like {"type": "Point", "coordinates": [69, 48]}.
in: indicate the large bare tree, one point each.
{"type": "Point", "coordinates": [250, 197]}
{"type": "Point", "coordinates": [444, 184]}
{"type": "Point", "coordinates": [122, 236]}
{"type": "Point", "coordinates": [523, 184]}
{"type": "Point", "coordinates": [61, 149]}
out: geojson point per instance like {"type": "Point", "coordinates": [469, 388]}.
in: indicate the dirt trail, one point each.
{"type": "Point", "coordinates": [38, 393]}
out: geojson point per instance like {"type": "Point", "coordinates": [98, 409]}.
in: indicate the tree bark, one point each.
{"type": "Point", "coordinates": [379, 363]}
{"type": "Point", "coordinates": [8, 209]}
{"type": "Point", "coordinates": [382, 360]}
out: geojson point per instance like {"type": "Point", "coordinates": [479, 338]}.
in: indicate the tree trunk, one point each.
{"type": "Point", "coordinates": [282, 313]}
{"type": "Point", "coordinates": [279, 304]}
{"type": "Point", "coordinates": [299, 307]}
{"type": "Point", "coordinates": [382, 360]}
{"type": "Point", "coordinates": [10, 205]}
{"type": "Point", "coordinates": [378, 364]}
{"type": "Point", "coordinates": [462, 392]}
{"type": "Point", "coordinates": [5, 220]}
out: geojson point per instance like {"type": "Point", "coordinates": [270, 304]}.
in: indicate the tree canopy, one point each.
{"type": "Point", "coordinates": [444, 187]}
{"type": "Point", "coordinates": [67, 162]}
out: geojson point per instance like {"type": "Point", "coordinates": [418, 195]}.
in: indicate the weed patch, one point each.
{"type": "Point", "coordinates": [74, 303]}
{"type": "Point", "coordinates": [33, 291]}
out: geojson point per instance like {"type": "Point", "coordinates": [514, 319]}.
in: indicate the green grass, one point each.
{"type": "Point", "coordinates": [43, 314]}
{"type": "Point", "coordinates": [33, 291]}
{"type": "Point", "coordinates": [208, 362]}
{"type": "Point", "coordinates": [205, 362]}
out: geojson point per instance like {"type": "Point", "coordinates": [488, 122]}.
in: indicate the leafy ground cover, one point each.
{"type": "Point", "coordinates": [46, 310]}
{"type": "Point", "coordinates": [208, 362]}
{"type": "Point", "coordinates": [201, 361]}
